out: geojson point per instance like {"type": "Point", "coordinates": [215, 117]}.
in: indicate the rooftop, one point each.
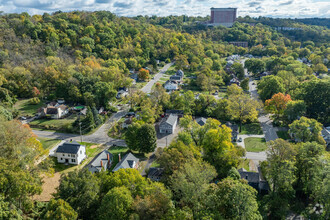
{"type": "Point", "coordinates": [128, 161]}
{"type": "Point", "coordinates": [69, 148]}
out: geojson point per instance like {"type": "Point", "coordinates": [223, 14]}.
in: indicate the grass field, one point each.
{"type": "Point", "coordinates": [155, 164]}
{"type": "Point", "coordinates": [253, 128]}
{"type": "Point", "coordinates": [26, 109]}
{"type": "Point", "coordinates": [253, 144]}
{"type": "Point", "coordinates": [48, 143]}
{"type": "Point", "coordinates": [283, 134]}
{"type": "Point", "coordinates": [244, 163]}
{"type": "Point", "coordinates": [53, 124]}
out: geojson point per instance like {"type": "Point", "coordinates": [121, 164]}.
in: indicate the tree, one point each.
{"type": "Point", "coordinates": [146, 138]}
{"type": "Point", "coordinates": [277, 104]}
{"type": "Point", "coordinates": [131, 136]}
{"type": "Point", "coordinates": [295, 110]}
{"type": "Point", "coordinates": [116, 204]}
{"type": "Point", "coordinates": [242, 108]}
{"type": "Point", "coordinates": [143, 74]}
{"type": "Point", "coordinates": [309, 166]}
{"type": "Point", "coordinates": [191, 176]}
{"type": "Point", "coordinates": [219, 151]}
{"type": "Point", "coordinates": [270, 85]}
{"type": "Point", "coordinates": [255, 66]}
{"type": "Point", "coordinates": [305, 130]}
{"type": "Point", "coordinates": [88, 123]}
{"type": "Point", "coordinates": [279, 170]}
{"type": "Point", "coordinates": [238, 70]}
{"type": "Point", "coordinates": [81, 190]}
{"type": "Point", "coordinates": [175, 156]}
{"type": "Point", "coordinates": [245, 84]}
{"type": "Point", "coordinates": [320, 68]}
{"type": "Point", "coordinates": [181, 62]}
{"type": "Point", "coordinates": [316, 95]}
{"type": "Point", "coordinates": [235, 199]}
{"type": "Point", "coordinates": [96, 116]}
{"type": "Point", "coordinates": [59, 209]}
{"type": "Point", "coordinates": [155, 204]}
{"type": "Point", "coordinates": [234, 90]}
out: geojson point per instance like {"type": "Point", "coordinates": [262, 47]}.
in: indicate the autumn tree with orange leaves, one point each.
{"type": "Point", "coordinates": [143, 74]}
{"type": "Point", "coordinates": [277, 104]}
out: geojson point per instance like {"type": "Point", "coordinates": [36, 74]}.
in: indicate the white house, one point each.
{"type": "Point", "coordinates": [171, 86]}
{"type": "Point", "coordinates": [71, 153]}
{"type": "Point", "coordinates": [168, 125]}
{"type": "Point", "coordinates": [55, 112]}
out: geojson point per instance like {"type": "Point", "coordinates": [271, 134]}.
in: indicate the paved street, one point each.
{"type": "Point", "coordinates": [147, 88]}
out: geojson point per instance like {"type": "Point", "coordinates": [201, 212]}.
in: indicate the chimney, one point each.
{"type": "Point", "coordinates": [119, 158]}
{"type": "Point", "coordinates": [101, 163]}
{"type": "Point", "coordinates": [108, 157]}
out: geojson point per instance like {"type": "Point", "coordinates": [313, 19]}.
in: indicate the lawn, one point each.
{"type": "Point", "coordinates": [48, 143]}
{"type": "Point", "coordinates": [26, 109]}
{"type": "Point", "coordinates": [283, 134]}
{"type": "Point", "coordinates": [155, 164]}
{"type": "Point", "coordinates": [254, 144]}
{"type": "Point", "coordinates": [253, 128]}
{"type": "Point", "coordinates": [244, 163]}
{"type": "Point", "coordinates": [53, 124]}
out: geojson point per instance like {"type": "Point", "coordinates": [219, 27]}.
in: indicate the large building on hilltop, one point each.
{"type": "Point", "coordinates": [223, 16]}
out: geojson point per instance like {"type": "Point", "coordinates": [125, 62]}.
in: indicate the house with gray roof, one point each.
{"type": "Point", "coordinates": [128, 161]}
{"type": "Point", "coordinates": [100, 162]}
{"type": "Point", "coordinates": [168, 124]}
{"type": "Point", "coordinates": [255, 179]}
{"type": "Point", "coordinates": [325, 133]}
{"type": "Point", "coordinates": [201, 121]}
{"type": "Point", "coordinates": [155, 174]}
{"type": "Point", "coordinates": [70, 153]}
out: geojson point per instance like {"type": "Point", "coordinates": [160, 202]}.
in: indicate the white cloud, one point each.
{"type": "Point", "coordinates": [274, 8]}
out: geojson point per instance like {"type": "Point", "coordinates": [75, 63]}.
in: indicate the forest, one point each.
{"type": "Point", "coordinates": [85, 57]}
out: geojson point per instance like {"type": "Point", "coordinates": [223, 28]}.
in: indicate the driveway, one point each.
{"type": "Point", "coordinates": [147, 88]}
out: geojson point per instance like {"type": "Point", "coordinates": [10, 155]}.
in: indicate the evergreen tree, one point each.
{"type": "Point", "coordinates": [88, 123]}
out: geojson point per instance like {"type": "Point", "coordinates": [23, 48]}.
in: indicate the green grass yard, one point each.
{"type": "Point", "coordinates": [26, 109]}
{"type": "Point", "coordinates": [254, 144]}
{"type": "Point", "coordinates": [53, 124]}
{"type": "Point", "coordinates": [48, 143]}
{"type": "Point", "coordinates": [115, 151]}
{"type": "Point", "coordinates": [253, 128]}
{"type": "Point", "coordinates": [244, 163]}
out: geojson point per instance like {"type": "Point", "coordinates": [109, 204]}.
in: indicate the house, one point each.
{"type": "Point", "coordinates": [234, 131]}
{"type": "Point", "coordinates": [325, 133]}
{"type": "Point", "coordinates": [121, 94]}
{"type": "Point", "coordinates": [255, 179]}
{"type": "Point", "coordinates": [54, 111]}
{"type": "Point", "coordinates": [179, 113]}
{"type": "Point", "coordinates": [201, 121]}
{"type": "Point", "coordinates": [128, 161]}
{"type": "Point", "coordinates": [71, 153]}
{"type": "Point", "coordinates": [171, 86]}
{"type": "Point", "coordinates": [234, 81]}
{"type": "Point", "coordinates": [176, 78]}
{"type": "Point", "coordinates": [168, 124]}
{"type": "Point", "coordinates": [100, 162]}
{"type": "Point", "coordinates": [127, 122]}
{"type": "Point", "coordinates": [180, 73]}
{"type": "Point", "coordinates": [155, 174]}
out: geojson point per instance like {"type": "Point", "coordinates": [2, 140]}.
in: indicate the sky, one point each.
{"type": "Point", "coordinates": [253, 8]}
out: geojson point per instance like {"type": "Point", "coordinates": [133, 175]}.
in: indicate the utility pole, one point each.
{"type": "Point", "coordinates": [80, 132]}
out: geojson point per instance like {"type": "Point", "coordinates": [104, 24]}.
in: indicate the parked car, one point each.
{"type": "Point", "coordinates": [23, 118]}
{"type": "Point", "coordinates": [239, 139]}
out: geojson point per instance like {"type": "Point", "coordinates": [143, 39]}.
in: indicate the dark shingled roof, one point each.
{"type": "Point", "coordinates": [155, 172]}
{"type": "Point", "coordinates": [51, 110]}
{"type": "Point", "coordinates": [201, 121]}
{"type": "Point", "coordinates": [68, 148]}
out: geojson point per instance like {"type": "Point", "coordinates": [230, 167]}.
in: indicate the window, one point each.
{"type": "Point", "coordinates": [63, 155]}
{"type": "Point", "coordinates": [72, 155]}
{"type": "Point", "coordinates": [73, 160]}
{"type": "Point", "coordinates": [61, 158]}
{"type": "Point", "coordinates": [80, 152]}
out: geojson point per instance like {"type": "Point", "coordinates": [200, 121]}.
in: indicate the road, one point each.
{"type": "Point", "coordinates": [147, 88]}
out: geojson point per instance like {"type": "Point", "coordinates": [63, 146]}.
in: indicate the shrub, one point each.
{"type": "Point", "coordinates": [34, 101]}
